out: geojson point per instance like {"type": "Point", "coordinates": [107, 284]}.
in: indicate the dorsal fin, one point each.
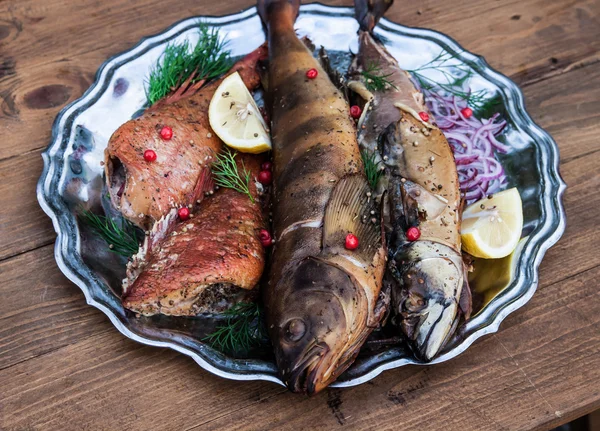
{"type": "Point", "coordinates": [465, 300]}
{"type": "Point", "coordinates": [183, 90]}
{"type": "Point", "coordinates": [349, 211]}
{"type": "Point", "coordinates": [334, 75]}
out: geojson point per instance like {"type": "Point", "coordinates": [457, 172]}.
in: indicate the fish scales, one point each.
{"type": "Point", "coordinates": [314, 142]}
{"type": "Point", "coordinates": [146, 191]}
{"type": "Point", "coordinates": [427, 276]}
{"type": "Point", "coordinates": [319, 148]}
{"type": "Point", "coordinates": [321, 299]}
{"type": "Point", "coordinates": [205, 264]}
{"type": "Point", "coordinates": [427, 165]}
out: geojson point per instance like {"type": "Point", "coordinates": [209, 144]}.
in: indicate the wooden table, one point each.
{"type": "Point", "coordinates": [64, 366]}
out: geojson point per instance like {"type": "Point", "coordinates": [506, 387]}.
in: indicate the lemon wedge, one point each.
{"type": "Point", "coordinates": [235, 118]}
{"type": "Point", "coordinates": [491, 227]}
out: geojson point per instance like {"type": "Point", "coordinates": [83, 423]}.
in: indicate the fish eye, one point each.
{"type": "Point", "coordinates": [295, 330]}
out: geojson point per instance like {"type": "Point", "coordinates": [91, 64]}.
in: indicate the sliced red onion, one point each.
{"type": "Point", "coordinates": [464, 159]}
{"type": "Point", "coordinates": [473, 142]}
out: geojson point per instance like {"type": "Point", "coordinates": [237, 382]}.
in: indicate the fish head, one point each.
{"type": "Point", "coordinates": [426, 301]}
{"type": "Point", "coordinates": [310, 337]}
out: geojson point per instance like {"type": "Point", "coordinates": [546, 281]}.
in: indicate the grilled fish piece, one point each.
{"type": "Point", "coordinates": [321, 300]}
{"type": "Point", "coordinates": [428, 281]}
{"type": "Point", "coordinates": [205, 264]}
{"type": "Point", "coordinates": [146, 191]}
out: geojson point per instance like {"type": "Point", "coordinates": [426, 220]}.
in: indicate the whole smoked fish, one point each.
{"type": "Point", "coordinates": [427, 277]}
{"type": "Point", "coordinates": [321, 300]}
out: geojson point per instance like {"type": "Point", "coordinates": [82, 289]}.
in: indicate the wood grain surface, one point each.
{"type": "Point", "coordinates": [62, 364]}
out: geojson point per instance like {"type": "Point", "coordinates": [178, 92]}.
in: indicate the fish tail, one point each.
{"type": "Point", "coordinates": [369, 12]}
{"type": "Point", "coordinates": [282, 13]}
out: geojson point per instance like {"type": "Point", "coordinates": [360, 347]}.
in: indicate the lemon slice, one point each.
{"type": "Point", "coordinates": [491, 228]}
{"type": "Point", "coordinates": [235, 118]}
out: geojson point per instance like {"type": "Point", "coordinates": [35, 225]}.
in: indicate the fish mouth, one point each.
{"type": "Point", "coordinates": [117, 176]}
{"type": "Point", "coordinates": [304, 376]}
{"type": "Point", "coordinates": [435, 330]}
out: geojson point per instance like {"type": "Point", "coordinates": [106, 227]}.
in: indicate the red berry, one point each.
{"type": "Point", "coordinates": [166, 133]}
{"type": "Point", "coordinates": [183, 213]}
{"type": "Point", "coordinates": [355, 111]}
{"type": "Point", "coordinates": [265, 238]}
{"type": "Point", "coordinates": [424, 116]}
{"type": "Point", "coordinates": [466, 112]}
{"type": "Point", "coordinates": [351, 242]}
{"type": "Point", "coordinates": [413, 233]}
{"type": "Point", "coordinates": [266, 166]}
{"type": "Point", "coordinates": [312, 73]}
{"type": "Point", "coordinates": [149, 155]}
{"type": "Point", "coordinates": [265, 177]}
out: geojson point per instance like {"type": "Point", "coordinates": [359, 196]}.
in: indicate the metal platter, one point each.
{"type": "Point", "coordinates": [72, 178]}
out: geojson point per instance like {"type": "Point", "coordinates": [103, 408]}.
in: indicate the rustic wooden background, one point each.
{"type": "Point", "coordinates": [64, 366]}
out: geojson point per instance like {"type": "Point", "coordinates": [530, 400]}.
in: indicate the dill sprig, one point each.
{"type": "Point", "coordinates": [226, 173]}
{"type": "Point", "coordinates": [123, 240]}
{"type": "Point", "coordinates": [208, 59]}
{"type": "Point", "coordinates": [489, 107]}
{"type": "Point", "coordinates": [242, 330]}
{"type": "Point", "coordinates": [373, 169]}
{"type": "Point", "coordinates": [375, 80]}
{"type": "Point", "coordinates": [455, 75]}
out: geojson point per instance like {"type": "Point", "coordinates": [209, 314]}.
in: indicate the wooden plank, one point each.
{"type": "Point", "coordinates": [115, 383]}
{"type": "Point", "coordinates": [533, 32]}
{"type": "Point", "coordinates": [567, 107]}
{"type": "Point", "coordinates": [509, 381]}
{"type": "Point", "coordinates": [506, 381]}
{"type": "Point", "coordinates": [23, 224]}
{"type": "Point", "coordinates": [576, 252]}
{"type": "Point", "coordinates": [46, 66]}
{"type": "Point", "coordinates": [525, 40]}
{"type": "Point", "coordinates": [30, 100]}
{"type": "Point", "coordinates": [65, 367]}
{"type": "Point", "coordinates": [46, 321]}
{"type": "Point", "coordinates": [45, 311]}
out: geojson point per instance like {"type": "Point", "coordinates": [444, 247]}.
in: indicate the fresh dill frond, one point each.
{"type": "Point", "coordinates": [208, 59]}
{"type": "Point", "coordinates": [373, 169]}
{"type": "Point", "coordinates": [454, 75]}
{"type": "Point", "coordinates": [123, 240]}
{"type": "Point", "coordinates": [242, 329]}
{"type": "Point", "coordinates": [226, 173]}
{"type": "Point", "coordinates": [375, 80]}
{"type": "Point", "coordinates": [489, 107]}
{"type": "Point", "coordinates": [474, 99]}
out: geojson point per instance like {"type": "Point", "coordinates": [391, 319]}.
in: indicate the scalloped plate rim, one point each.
{"type": "Point", "coordinates": [542, 238]}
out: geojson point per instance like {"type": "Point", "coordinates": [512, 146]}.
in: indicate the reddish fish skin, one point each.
{"type": "Point", "coordinates": [218, 246]}
{"type": "Point", "coordinates": [151, 189]}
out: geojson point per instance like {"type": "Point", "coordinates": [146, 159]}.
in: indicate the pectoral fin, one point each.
{"type": "Point", "coordinates": [465, 301]}
{"type": "Point", "coordinates": [429, 205]}
{"type": "Point", "coordinates": [381, 311]}
{"type": "Point", "coordinates": [349, 211]}
{"type": "Point", "coordinates": [334, 75]}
